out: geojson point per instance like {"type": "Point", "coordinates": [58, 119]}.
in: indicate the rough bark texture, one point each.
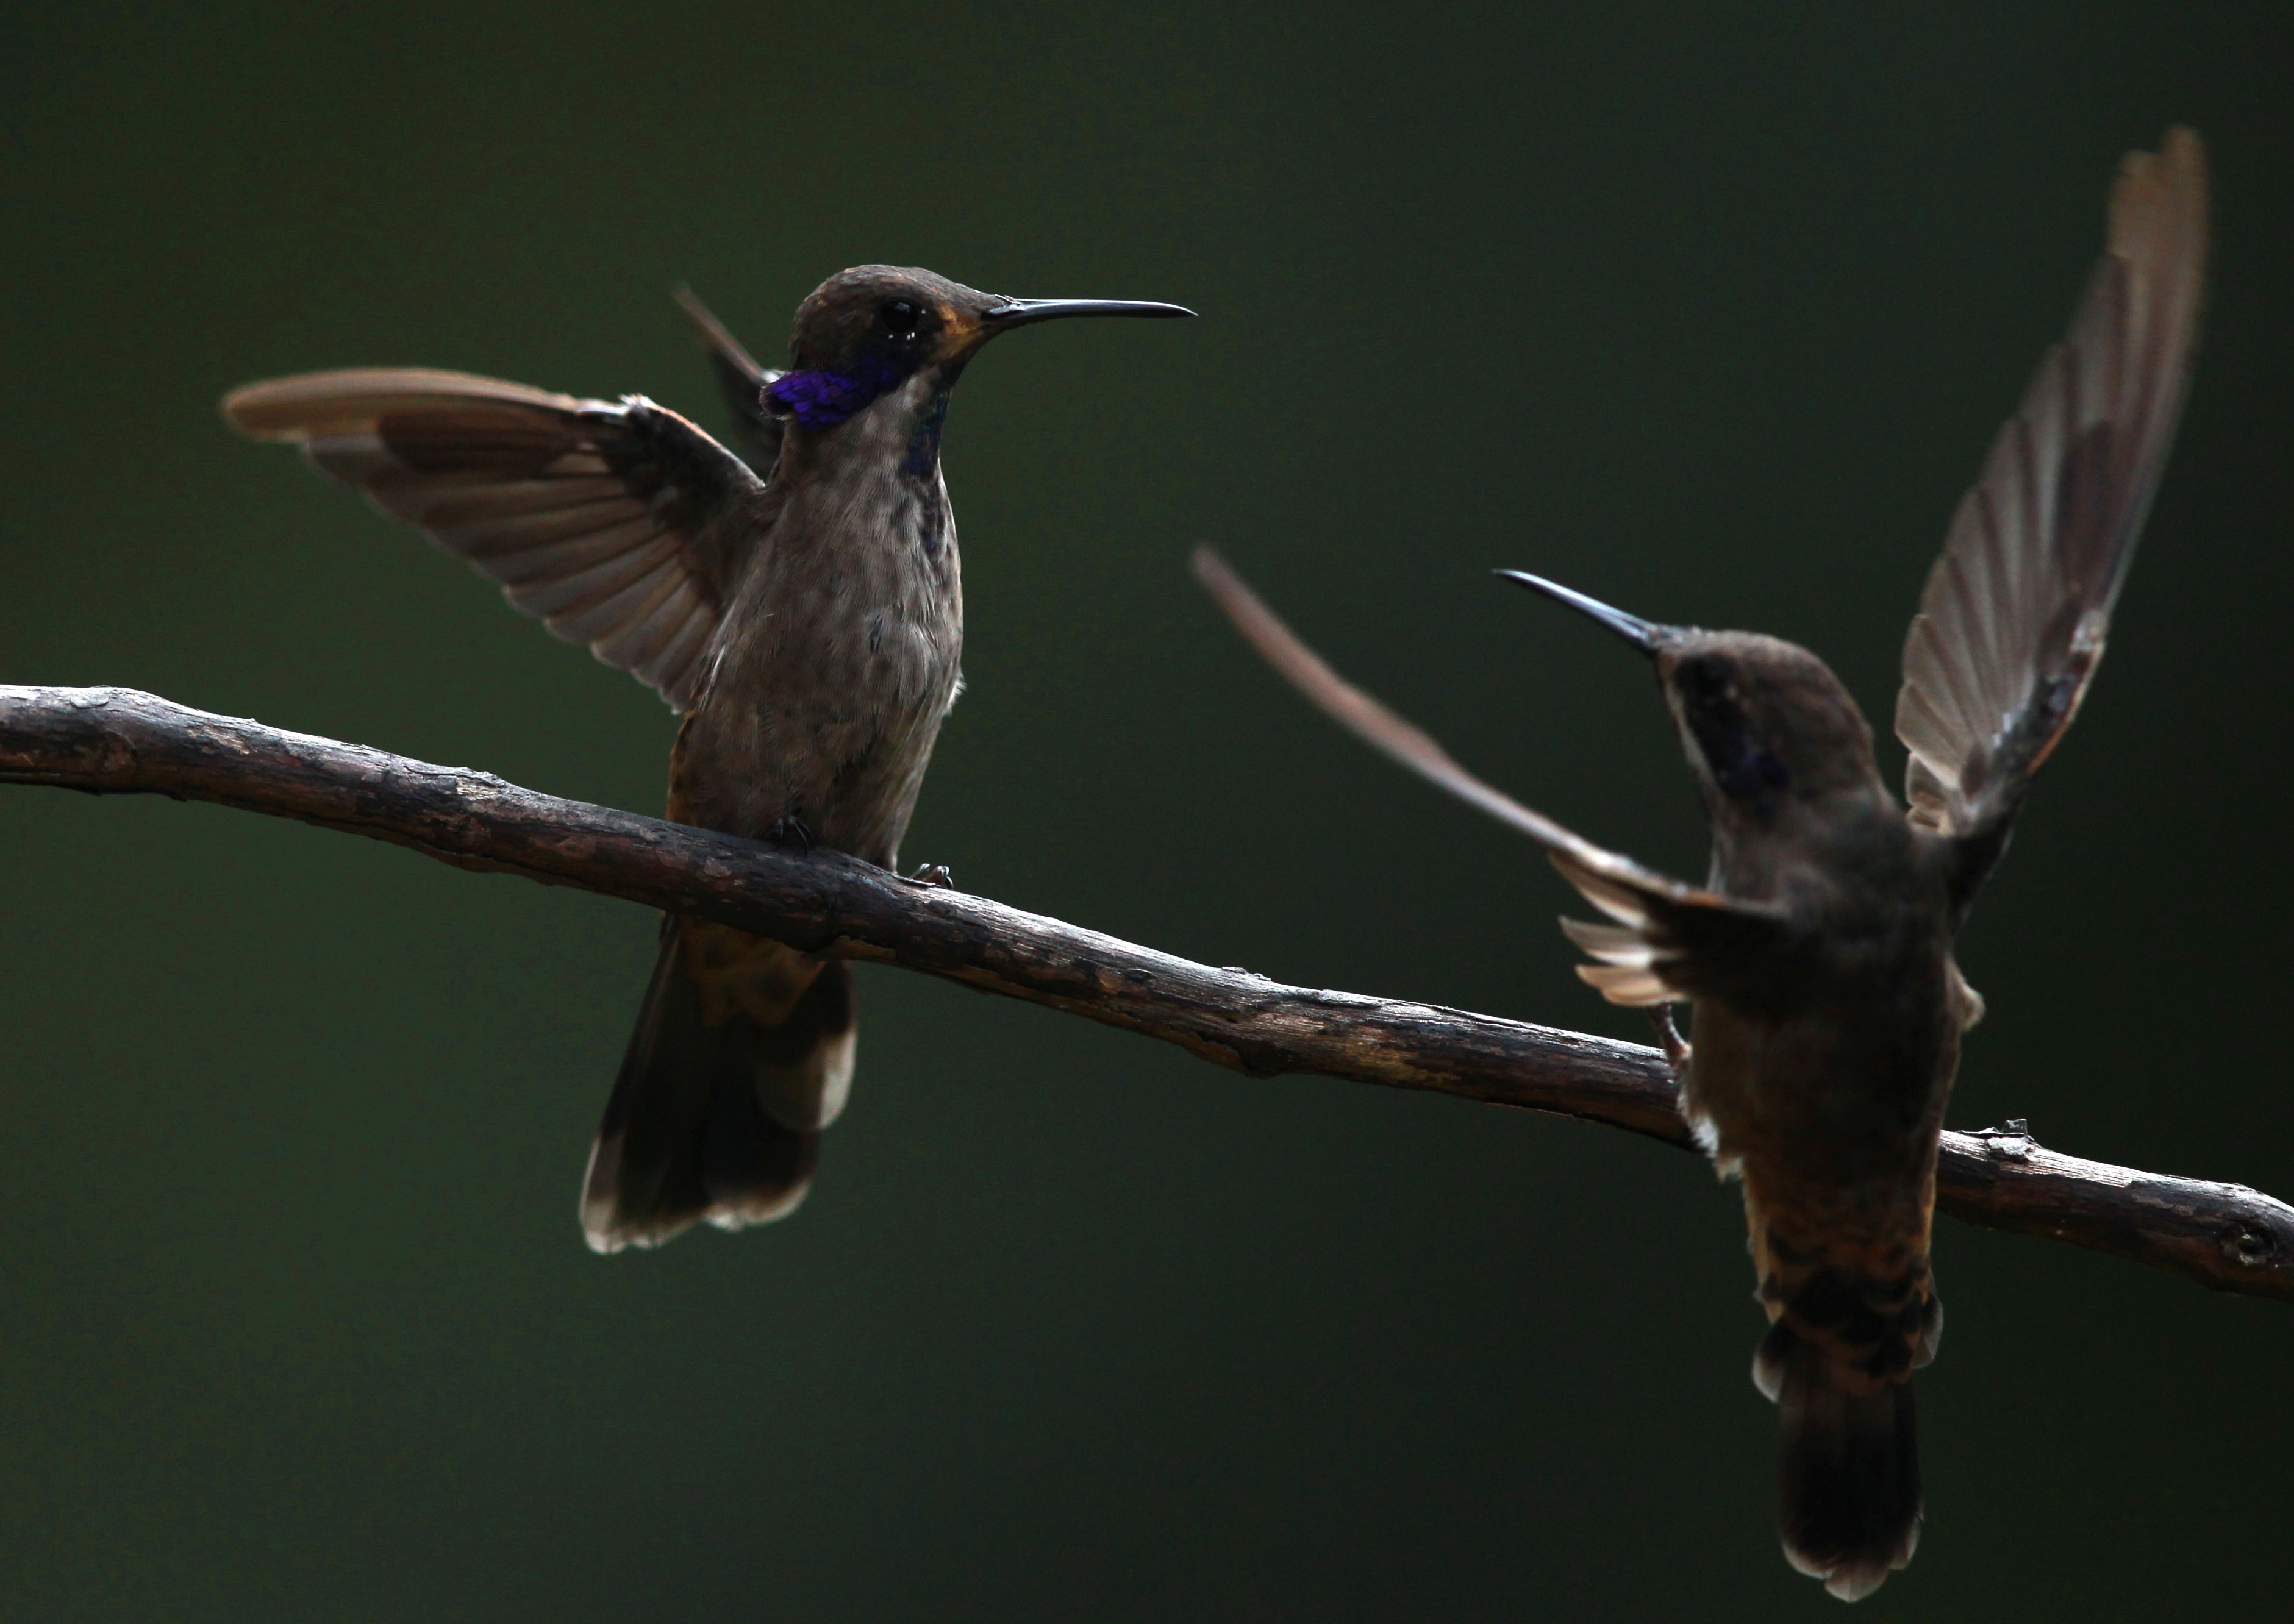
{"type": "Point", "coordinates": [115, 741]}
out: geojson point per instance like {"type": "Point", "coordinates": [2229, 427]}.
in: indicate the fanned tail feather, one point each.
{"type": "Point", "coordinates": [1851, 1322]}
{"type": "Point", "coordinates": [742, 1055]}
{"type": "Point", "coordinates": [1848, 1468]}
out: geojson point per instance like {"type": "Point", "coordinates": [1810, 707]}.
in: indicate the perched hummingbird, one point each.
{"type": "Point", "coordinates": [1816, 959]}
{"type": "Point", "coordinates": [806, 618]}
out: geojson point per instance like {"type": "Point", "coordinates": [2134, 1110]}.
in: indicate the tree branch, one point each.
{"type": "Point", "coordinates": [115, 741]}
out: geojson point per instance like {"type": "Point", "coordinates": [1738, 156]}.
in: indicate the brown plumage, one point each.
{"type": "Point", "coordinates": [1816, 956]}
{"type": "Point", "coordinates": [805, 615]}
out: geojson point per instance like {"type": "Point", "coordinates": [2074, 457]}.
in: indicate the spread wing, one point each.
{"type": "Point", "coordinates": [620, 527]}
{"type": "Point", "coordinates": [1669, 941]}
{"type": "Point", "coordinates": [2012, 625]}
{"type": "Point", "coordinates": [756, 432]}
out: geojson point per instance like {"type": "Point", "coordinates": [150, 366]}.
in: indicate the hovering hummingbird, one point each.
{"type": "Point", "coordinates": [1816, 959]}
{"type": "Point", "coordinates": [806, 617]}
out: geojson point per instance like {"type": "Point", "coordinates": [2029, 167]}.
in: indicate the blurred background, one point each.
{"type": "Point", "coordinates": [1709, 309]}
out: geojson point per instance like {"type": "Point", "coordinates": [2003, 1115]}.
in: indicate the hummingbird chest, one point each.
{"type": "Point", "coordinates": [834, 665]}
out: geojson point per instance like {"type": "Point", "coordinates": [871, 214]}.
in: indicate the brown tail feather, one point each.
{"type": "Point", "coordinates": [742, 1054]}
{"type": "Point", "coordinates": [1852, 1324]}
{"type": "Point", "coordinates": [1848, 1466]}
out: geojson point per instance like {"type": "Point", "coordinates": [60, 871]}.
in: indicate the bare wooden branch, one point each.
{"type": "Point", "coordinates": [115, 741]}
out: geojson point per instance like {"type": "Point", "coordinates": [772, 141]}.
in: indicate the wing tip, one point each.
{"type": "Point", "coordinates": [253, 411]}
{"type": "Point", "coordinates": [715, 335]}
{"type": "Point", "coordinates": [2160, 203]}
{"type": "Point", "coordinates": [305, 404]}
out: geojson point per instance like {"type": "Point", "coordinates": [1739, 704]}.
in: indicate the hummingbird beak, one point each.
{"type": "Point", "coordinates": [1021, 313]}
{"type": "Point", "coordinates": [1643, 634]}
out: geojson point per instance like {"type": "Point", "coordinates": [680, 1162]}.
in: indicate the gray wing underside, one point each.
{"type": "Point", "coordinates": [619, 525]}
{"type": "Point", "coordinates": [1669, 941]}
{"type": "Point", "coordinates": [2012, 621]}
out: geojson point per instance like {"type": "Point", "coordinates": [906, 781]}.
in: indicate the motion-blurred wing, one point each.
{"type": "Point", "coordinates": [756, 432]}
{"type": "Point", "coordinates": [2012, 625]}
{"type": "Point", "coordinates": [1669, 941]}
{"type": "Point", "coordinates": [620, 527]}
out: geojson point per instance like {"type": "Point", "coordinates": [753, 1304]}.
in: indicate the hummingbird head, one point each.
{"type": "Point", "coordinates": [872, 331]}
{"type": "Point", "coordinates": [1765, 724]}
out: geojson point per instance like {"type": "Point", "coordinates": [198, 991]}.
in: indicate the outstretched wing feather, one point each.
{"type": "Point", "coordinates": [1671, 940]}
{"type": "Point", "coordinates": [2012, 621]}
{"type": "Point", "coordinates": [741, 380]}
{"type": "Point", "coordinates": [618, 525]}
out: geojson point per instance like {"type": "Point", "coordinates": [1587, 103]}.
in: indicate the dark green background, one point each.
{"type": "Point", "coordinates": [1708, 309]}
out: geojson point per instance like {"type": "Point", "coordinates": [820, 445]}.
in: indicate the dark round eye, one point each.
{"type": "Point", "coordinates": [901, 317]}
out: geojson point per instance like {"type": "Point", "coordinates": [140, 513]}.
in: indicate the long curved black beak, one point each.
{"type": "Point", "coordinates": [1021, 313]}
{"type": "Point", "coordinates": [1643, 634]}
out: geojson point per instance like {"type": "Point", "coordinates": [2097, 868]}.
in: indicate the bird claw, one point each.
{"type": "Point", "coordinates": [1669, 1040]}
{"type": "Point", "coordinates": [790, 831]}
{"type": "Point", "coordinates": [932, 874]}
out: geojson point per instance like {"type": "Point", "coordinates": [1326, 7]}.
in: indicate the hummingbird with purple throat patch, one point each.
{"type": "Point", "coordinates": [803, 610]}
{"type": "Point", "coordinates": [1816, 959]}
